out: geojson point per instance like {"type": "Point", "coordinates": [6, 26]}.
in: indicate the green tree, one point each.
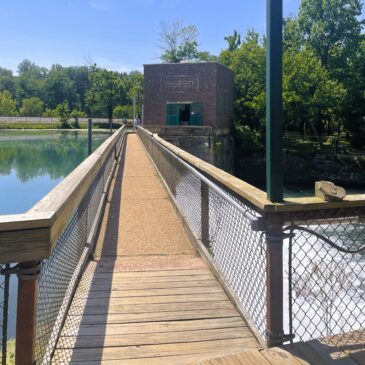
{"type": "Point", "coordinates": [179, 42]}
{"type": "Point", "coordinates": [49, 113]}
{"type": "Point", "coordinates": [59, 88]}
{"type": "Point", "coordinates": [331, 29]}
{"type": "Point", "coordinates": [7, 81]}
{"type": "Point", "coordinates": [32, 107]}
{"type": "Point", "coordinates": [30, 81]}
{"type": "Point", "coordinates": [7, 105]}
{"type": "Point", "coordinates": [234, 41]}
{"type": "Point", "coordinates": [248, 62]}
{"type": "Point", "coordinates": [106, 92]}
{"type": "Point", "coordinates": [312, 100]}
{"type": "Point", "coordinates": [123, 112]}
{"type": "Point", "coordinates": [63, 112]}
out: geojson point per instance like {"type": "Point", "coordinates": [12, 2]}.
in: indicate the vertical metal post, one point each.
{"type": "Point", "coordinates": [5, 315]}
{"type": "Point", "coordinates": [142, 117]}
{"type": "Point", "coordinates": [274, 138]}
{"type": "Point", "coordinates": [274, 280]}
{"type": "Point", "coordinates": [89, 136]}
{"type": "Point", "coordinates": [134, 114]}
{"type": "Point", "coordinates": [204, 189]}
{"type": "Point", "coordinates": [26, 312]}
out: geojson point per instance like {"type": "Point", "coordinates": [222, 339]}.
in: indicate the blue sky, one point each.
{"type": "Point", "coordinates": [117, 34]}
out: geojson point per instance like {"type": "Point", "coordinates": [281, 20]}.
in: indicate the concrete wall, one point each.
{"type": "Point", "coordinates": [199, 82]}
{"type": "Point", "coordinates": [213, 146]}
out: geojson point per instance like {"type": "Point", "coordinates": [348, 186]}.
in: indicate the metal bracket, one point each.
{"type": "Point", "coordinates": [279, 238]}
{"type": "Point", "coordinates": [278, 338]}
{"type": "Point", "coordinates": [258, 224]}
{"type": "Point", "coordinates": [29, 273]}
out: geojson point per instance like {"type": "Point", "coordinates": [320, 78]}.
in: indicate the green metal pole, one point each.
{"type": "Point", "coordinates": [274, 108]}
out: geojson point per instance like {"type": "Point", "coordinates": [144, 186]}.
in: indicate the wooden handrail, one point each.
{"type": "Point", "coordinates": [32, 235]}
{"type": "Point", "coordinates": [254, 195]}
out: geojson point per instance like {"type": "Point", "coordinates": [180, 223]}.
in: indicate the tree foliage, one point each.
{"type": "Point", "coordinates": [179, 43]}
{"type": "Point", "coordinates": [87, 90]}
{"type": "Point", "coordinates": [323, 72]}
{"type": "Point", "coordinates": [7, 104]}
{"type": "Point", "coordinates": [32, 107]}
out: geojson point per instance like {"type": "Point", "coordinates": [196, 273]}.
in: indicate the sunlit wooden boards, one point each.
{"type": "Point", "coordinates": [151, 317]}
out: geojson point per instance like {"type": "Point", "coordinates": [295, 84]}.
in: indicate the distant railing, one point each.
{"type": "Point", "coordinates": [295, 268]}
{"type": "Point", "coordinates": [51, 244]}
{"type": "Point", "coordinates": [56, 120]}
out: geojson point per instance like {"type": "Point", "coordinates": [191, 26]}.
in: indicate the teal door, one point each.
{"type": "Point", "coordinates": [196, 114]}
{"type": "Point", "coordinates": [173, 112]}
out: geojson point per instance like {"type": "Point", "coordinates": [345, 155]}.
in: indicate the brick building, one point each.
{"type": "Point", "coordinates": [188, 94]}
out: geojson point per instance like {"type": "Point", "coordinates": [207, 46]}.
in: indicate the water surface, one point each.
{"type": "Point", "coordinates": [32, 163]}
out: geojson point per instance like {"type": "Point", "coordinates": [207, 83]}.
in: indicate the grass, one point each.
{"type": "Point", "coordinates": [10, 353]}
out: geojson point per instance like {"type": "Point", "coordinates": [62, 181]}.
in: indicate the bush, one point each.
{"type": "Point", "coordinates": [50, 113]}
{"type": "Point", "coordinates": [247, 140]}
{"type": "Point", "coordinates": [76, 114]}
{"type": "Point", "coordinates": [63, 112]}
{"type": "Point", "coordinates": [123, 112]}
{"type": "Point", "coordinates": [32, 107]}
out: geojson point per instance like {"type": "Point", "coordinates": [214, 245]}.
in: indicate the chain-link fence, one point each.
{"type": "Point", "coordinates": [4, 310]}
{"type": "Point", "coordinates": [325, 258]}
{"type": "Point", "coordinates": [227, 226]}
{"type": "Point", "coordinates": [61, 271]}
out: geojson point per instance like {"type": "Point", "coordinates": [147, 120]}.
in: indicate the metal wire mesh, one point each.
{"type": "Point", "coordinates": [238, 251]}
{"type": "Point", "coordinates": [326, 272]}
{"type": "Point", "coordinates": [61, 271]}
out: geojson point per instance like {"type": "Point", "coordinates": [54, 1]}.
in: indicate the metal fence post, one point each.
{"type": "Point", "coordinates": [90, 136]}
{"type": "Point", "coordinates": [204, 189]}
{"type": "Point", "coordinates": [274, 278]}
{"type": "Point", "coordinates": [28, 274]}
{"type": "Point", "coordinates": [274, 138]}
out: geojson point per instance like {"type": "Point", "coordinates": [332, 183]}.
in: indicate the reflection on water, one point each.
{"type": "Point", "coordinates": [32, 163]}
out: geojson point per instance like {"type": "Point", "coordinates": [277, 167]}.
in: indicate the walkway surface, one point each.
{"type": "Point", "coordinates": [147, 298]}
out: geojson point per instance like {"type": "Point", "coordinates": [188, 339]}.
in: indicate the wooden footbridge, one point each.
{"type": "Point", "coordinates": [152, 256]}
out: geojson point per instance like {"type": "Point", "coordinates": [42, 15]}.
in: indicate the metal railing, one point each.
{"type": "Point", "coordinates": [296, 268]}
{"type": "Point", "coordinates": [64, 224]}
{"type": "Point", "coordinates": [229, 228]}
{"type": "Point", "coordinates": [325, 255]}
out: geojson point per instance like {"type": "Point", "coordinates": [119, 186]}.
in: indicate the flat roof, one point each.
{"type": "Point", "coordinates": [189, 63]}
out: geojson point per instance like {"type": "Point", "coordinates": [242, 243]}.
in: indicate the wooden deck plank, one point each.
{"type": "Point", "coordinates": [154, 338]}
{"type": "Point", "coordinates": [182, 298]}
{"type": "Point", "coordinates": [111, 280]}
{"type": "Point", "coordinates": [120, 318]}
{"type": "Point", "coordinates": [145, 308]}
{"type": "Point", "coordinates": [152, 327]}
{"type": "Point", "coordinates": [150, 292]}
{"type": "Point", "coordinates": [252, 357]}
{"type": "Point", "coordinates": [279, 356]}
{"type": "Point", "coordinates": [133, 352]}
{"type": "Point", "coordinates": [166, 360]}
{"type": "Point", "coordinates": [154, 285]}
{"type": "Point", "coordinates": [100, 272]}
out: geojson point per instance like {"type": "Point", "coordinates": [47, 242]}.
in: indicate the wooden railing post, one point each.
{"type": "Point", "coordinates": [28, 273]}
{"type": "Point", "coordinates": [274, 280]}
{"type": "Point", "coordinates": [204, 213]}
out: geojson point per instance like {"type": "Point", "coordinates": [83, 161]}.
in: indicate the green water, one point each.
{"type": "Point", "coordinates": [32, 163]}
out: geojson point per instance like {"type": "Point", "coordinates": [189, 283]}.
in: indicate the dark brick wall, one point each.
{"type": "Point", "coordinates": [188, 82]}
